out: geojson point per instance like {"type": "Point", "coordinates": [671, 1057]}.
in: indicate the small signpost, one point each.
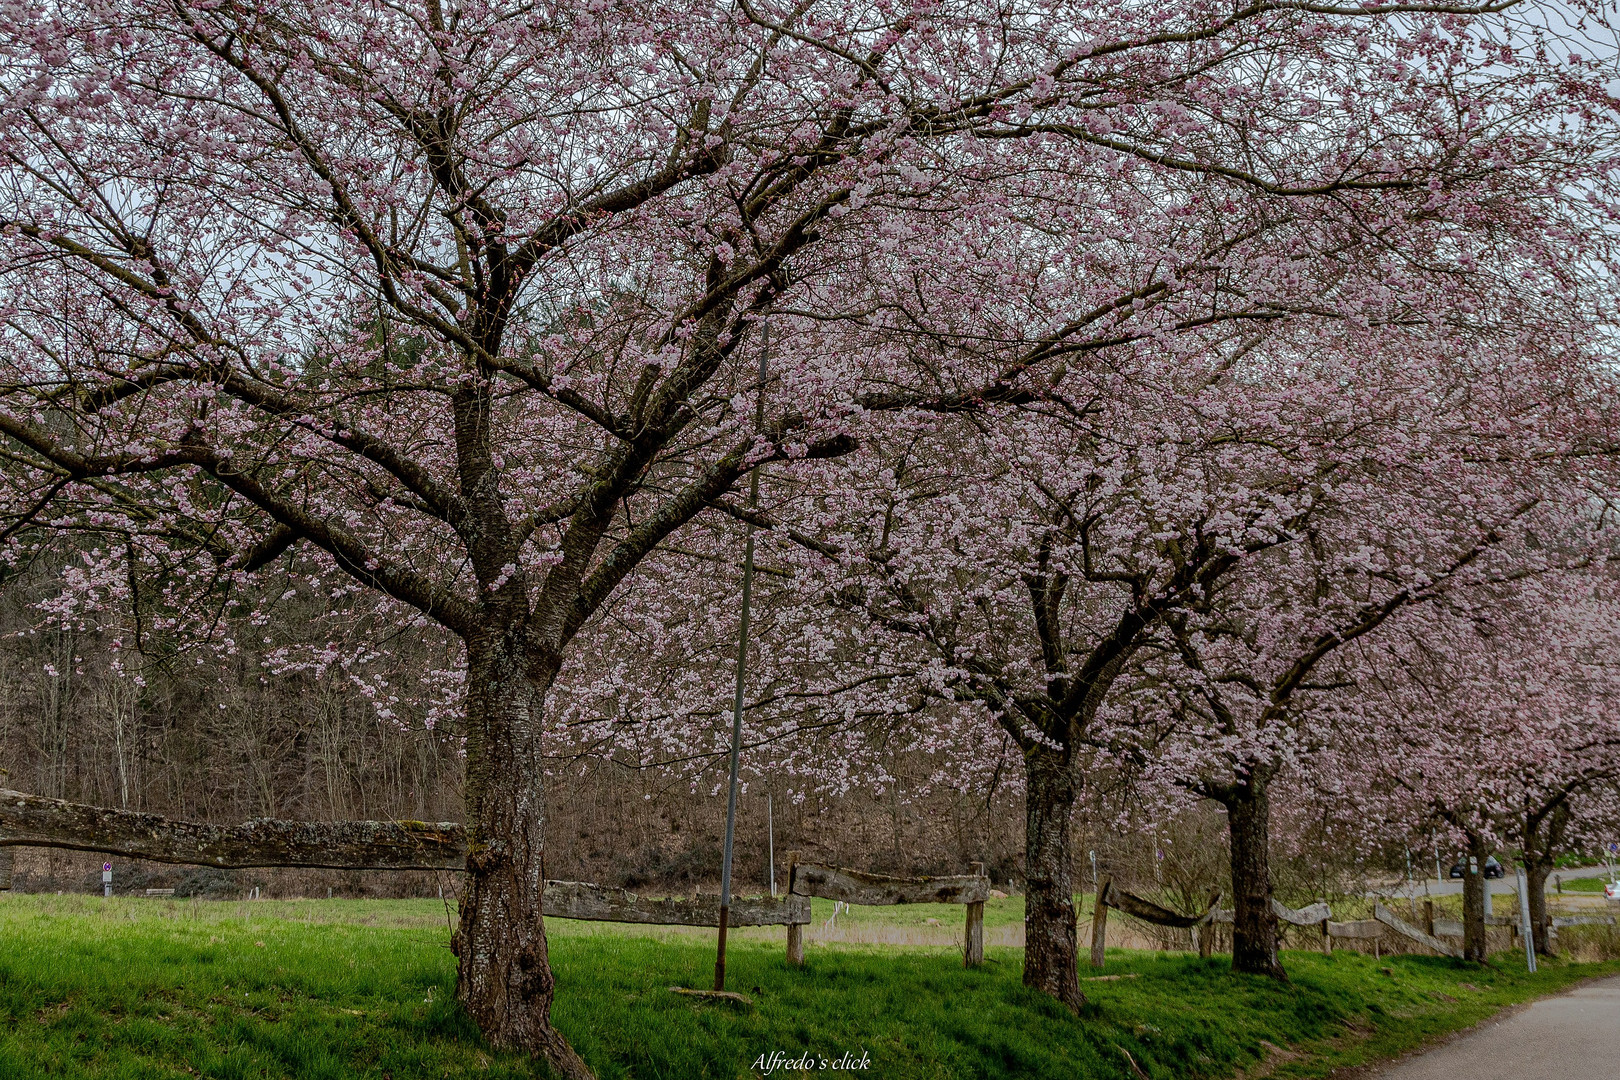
{"type": "Point", "coordinates": [106, 880]}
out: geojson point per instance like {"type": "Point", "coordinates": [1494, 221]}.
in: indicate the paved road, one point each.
{"type": "Point", "coordinates": [1499, 886]}
{"type": "Point", "coordinates": [1571, 1035]}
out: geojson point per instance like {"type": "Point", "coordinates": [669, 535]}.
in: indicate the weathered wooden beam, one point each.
{"type": "Point", "coordinates": [856, 887]}
{"type": "Point", "coordinates": [1099, 922]}
{"type": "Point", "coordinates": [34, 821]}
{"type": "Point", "coordinates": [602, 903]}
{"type": "Point", "coordinates": [1147, 911]}
{"type": "Point", "coordinates": [1364, 929]}
{"type": "Point", "coordinates": [973, 933]}
{"type": "Point", "coordinates": [973, 940]}
{"type": "Point", "coordinates": [1306, 916]}
{"type": "Point", "coordinates": [1310, 915]}
{"type": "Point", "coordinates": [1562, 921]}
{"type": "Point", "coordinates": [1401, 926]}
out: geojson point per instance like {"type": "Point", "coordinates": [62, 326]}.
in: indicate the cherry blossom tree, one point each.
{"type": "Point", "coordinates": [1496, 724]}
{"type": "Point", "coordinates": [464, 298]}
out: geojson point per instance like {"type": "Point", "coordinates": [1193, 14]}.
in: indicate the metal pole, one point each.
{"type": "Point", "coordinates": [742, 664]}
{"type": "Point", "coordinates": [770, 841]}
{"type": "Point", "coordinates": [1525, 930]}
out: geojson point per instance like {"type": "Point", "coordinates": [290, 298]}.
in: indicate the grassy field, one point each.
{"type": "Point", "coordinates": [1584, 885]}
{"type": "Point", "coordinates": [322, 990]}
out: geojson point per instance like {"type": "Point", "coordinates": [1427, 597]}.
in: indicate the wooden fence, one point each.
{"type": "Point", "coordinates": [855, 887]}
{"type": "Point", "coordinates": [35, 821]}
{"type": "Point", "coordinates": [1111, 896]}
{"type": "Point", "coordinates": [1317, 914]}
{"type": "Point", "coordinates": [603, 903]}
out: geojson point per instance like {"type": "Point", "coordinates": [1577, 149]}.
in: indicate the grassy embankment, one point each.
{"type": "Point", "coordinates": [321, 990]}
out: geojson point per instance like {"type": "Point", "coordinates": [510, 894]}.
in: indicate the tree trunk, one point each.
{"type": "Point", "coordinates": [505, 979]}
{"type": "Point", "coordinates": [1543, 835]}
{"type": "Point", "coordinates": [1254, 923]}
{"type": "Point", "coordinates": [1535, 876]}
{"type": "Point", "coordinates": [1050, 940]}
{"type": "Point", "coordinates": [1474, 945]}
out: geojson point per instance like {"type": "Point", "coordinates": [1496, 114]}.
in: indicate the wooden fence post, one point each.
{"type": "Point", "coordinates": [5, 868]}
{"type": "Point", "coordinates": [1327, 940]}
{"type": "Point", "coordinates": [1099, 923]}
{"type": "Point", "coordinates": [795, 937]}
{"type": "Point", "coordinates": [973, 941]}
{"type": "Point", "coordinates": [973, 944]}
{"type": "Point", "coordinates": [1428, 917]}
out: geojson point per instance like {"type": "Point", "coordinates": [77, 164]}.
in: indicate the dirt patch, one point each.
{"type": "Point", "coordinates": [1276, 1057]}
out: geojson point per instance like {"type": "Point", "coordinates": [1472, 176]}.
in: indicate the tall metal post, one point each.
{"type": "Point", "coordinates": [1525, 929]}
{"type": "Point", "coordinates": [742, 665]}
{"type": "Point", "coordinates": [770, 842]}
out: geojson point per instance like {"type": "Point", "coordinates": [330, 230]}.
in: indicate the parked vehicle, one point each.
{"type": "Point", "coordinates": [1612, 890]}
{"type": "Point", "coordinates": [1493, 869]}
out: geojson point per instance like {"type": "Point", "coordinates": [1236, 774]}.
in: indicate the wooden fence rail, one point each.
{"type": "Point", "coordinates": [1317, 914]}
{"type": "Point", "coordinates": [1560, 921]}
{"type": "Point", "coordinates": [1110, 895]}
{"type": "Point", "coordinates": [848, 886]}
{"type": "Point", "coordinates": [603, 903]}
{"type": "Point", "coordinates": [35, 821]}
{"type": "Point", "coordinates": [1401, 926]}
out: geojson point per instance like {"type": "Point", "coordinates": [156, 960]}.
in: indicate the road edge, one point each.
{"type": "Point", "coordinates": [1372, 1069]}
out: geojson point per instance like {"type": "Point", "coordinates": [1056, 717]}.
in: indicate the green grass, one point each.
{"type": "Point", "coordinates": [1583, 885]}
{"type": "Point", "coordinates": [322, 990]}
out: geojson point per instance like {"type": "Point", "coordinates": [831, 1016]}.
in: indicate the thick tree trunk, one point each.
{"type": "Point", "coordinates": [1474, 885]}
{"type": "Point", "coordinates": [1535, 876]}
{"type": "Point", "coordinates": [1254, 923]}
{"type": "Point", "coordinates": [1050, 941]}
{"type": "Point", "coordinates": [505, 979]}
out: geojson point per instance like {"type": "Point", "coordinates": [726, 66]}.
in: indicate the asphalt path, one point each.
{"type": "Point", "coordinates": [1574, 1034]}
{"type": "Point", "coordinates": [1499, 886]}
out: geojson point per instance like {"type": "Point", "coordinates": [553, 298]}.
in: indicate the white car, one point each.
{"type": "Point", "coordinates": [1612, 890]}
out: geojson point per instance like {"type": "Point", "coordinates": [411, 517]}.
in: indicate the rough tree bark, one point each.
{"type": "Point", "coordinates": [1474, 944]}
{"type": "Point", "coordinates": [1254, 923]}
{"type": "Point", "coordinates": [1051, 942]}
{"type": "Point", "coordinates": [504, 979]}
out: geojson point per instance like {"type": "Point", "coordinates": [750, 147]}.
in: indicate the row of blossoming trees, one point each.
{"type": "Point", "coordinates": [1214, 392]}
